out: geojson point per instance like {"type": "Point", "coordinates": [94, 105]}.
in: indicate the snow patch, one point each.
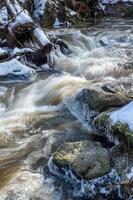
{"type": "Point", "coordinates": [3, 16]}
{"type": "Point", "coordinates": [16, 68]}
{"type": "Point", "coordinates": [39, 6]}
{"type": "Point", "coordinates": [56, 23]}
{"type": "Point", "coordinates": [130, 175]}
{"type": "Point", "coordinates": [115, 1]}
{"type": "Point", "coordinates": [124, 115]}
{"type": "Point", "coordinates": [3, 52]}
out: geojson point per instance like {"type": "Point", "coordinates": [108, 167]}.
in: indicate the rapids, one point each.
{"type": "Point", "coordinates": [37, 117]}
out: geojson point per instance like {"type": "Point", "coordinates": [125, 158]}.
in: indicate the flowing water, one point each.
{"type": "Point", "coordinates": [36, 118]}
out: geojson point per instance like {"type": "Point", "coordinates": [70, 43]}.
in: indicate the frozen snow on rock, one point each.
{"type": "Point", "coordinates": [39, 6]}
{"type": "Point", "coordinates": [114, 1]}
{"type": "Point", "coordinates": [130, 174]}
{"type": "Point", "coordinates": [3, 52]}
{"type": "Point", "coordinates": [56, 23]}
{"type": "Point", "coordinates": [124, 115]}
{"type": "Point", "coordinates": [18, 51]}
{"type": "Point", "coordinates": [13, 69]}
{"type": "Point", "coordinates": [3, 16]}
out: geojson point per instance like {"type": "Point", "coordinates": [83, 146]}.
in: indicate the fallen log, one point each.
{"type": "Point", "coordinates": [42, 40]}
{"type": "Point", "coordinates": [22, 32]}
{"type": "Point", "coordinates": [21, 21]}
{"type": "Point", "coordinates": [22, 25]}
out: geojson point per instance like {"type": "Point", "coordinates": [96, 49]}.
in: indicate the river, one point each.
{"type": "Point", "coordinates": [37, 117]}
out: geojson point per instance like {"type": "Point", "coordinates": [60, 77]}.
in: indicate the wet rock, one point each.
{"type": "Point", "coordinates": [99, 100]}
{"type": "Point", "coordinates": [118, 132]}
{"type": "Point", "coordinates": [123, 85]}
{"type": "Point", "coordinates": [88, 103]}
{"type": "Point", "coordinates": [86, 158]}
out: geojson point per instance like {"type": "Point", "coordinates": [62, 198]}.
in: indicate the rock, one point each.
{"type": "Point", "coordinates": [117, 125]}
{"type": "Point", "coordinates": [100, 101]}
{"type": "Point", "coordinates": [88, 103]}
{"type": "Point", "coordinates": [86, 158]}
{"type": "Point", "coordinates": [123, 85]}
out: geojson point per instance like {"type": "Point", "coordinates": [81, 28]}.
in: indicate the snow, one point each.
{"type": "Point", "coordinates": [3, 16]}
{"type": "Point", "coordinates": [3, 52]}
{"type": "Point", "coordinates": [22, 16]}
{"type": "Point", "coordinates": [124, 115]}
{"type": "Point", "coordinates": [39, 34]}
{"type": "Point", "coordinates": [18, 51]}
{"type": "Point", "coordinates": [71, 12]}
{"type": "Point", "coordinates": [56, 23]}
{"type": "Point", "coordinates": [15, 67]}
{"type": "Point", "coordinates": [39, 6]}
{"type": "Point", "coordinates": [114, 1]}
{"type": "Point", "coordinates": [130, 175]}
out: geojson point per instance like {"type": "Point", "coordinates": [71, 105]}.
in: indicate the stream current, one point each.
{"type": "Point", "coordinates": [37, 117]}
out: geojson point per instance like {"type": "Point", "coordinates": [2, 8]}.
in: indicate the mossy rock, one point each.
{"type": "Point", "coordinates": [85, 158]}
{"type": "Point", "coordinates": [117, 130]}
{"type": "Point", "coordinates": [99, 101]}
{"type": "Point", "coordinates": [124, 133]}
{"type": "Point", "coordinates": [48, 17]}
{"type": "Point", "coordinates": [101, 122]}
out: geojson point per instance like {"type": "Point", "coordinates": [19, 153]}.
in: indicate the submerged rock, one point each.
{"type": "Point", "coordinates": [85, 158]}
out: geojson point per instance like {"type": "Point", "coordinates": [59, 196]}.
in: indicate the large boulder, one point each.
{"type": "Point", "coordinates": [85, 158]}
{"type": "Point", "coordinates": [100, 101]}
{"type": "Point", "coordinates": [89, 102]}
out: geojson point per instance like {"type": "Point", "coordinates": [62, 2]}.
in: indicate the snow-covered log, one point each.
{"type": "Point", "coordinates": [42, 40]}
{"type": "Point", "coordinates": [21, 21]}
{"type": "Point", "coordinates": [23, 32]}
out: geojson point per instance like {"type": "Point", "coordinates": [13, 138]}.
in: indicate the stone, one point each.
{"type": "Point", "coordinates": [99, 100]}
{"type": "Point", "coordinates": [117, 131]}
{"type": "Point", "coordinates": [85, 158]}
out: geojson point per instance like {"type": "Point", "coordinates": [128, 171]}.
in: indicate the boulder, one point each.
{"type": "Point", "coordinates": [89, 102]}
{"type": "Point", "coordinates": [99, 100]}
{"type": "Point", "coordinates": [86, 158]}
{"type": "Point", "coordinates": [117, 124]}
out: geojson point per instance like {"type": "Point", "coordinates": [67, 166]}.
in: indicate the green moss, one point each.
{"type": "Point", "coordinates": [48, 17]}
{"type": "Point", "coordinates": [101, 120]}
{"type": "Point", "coordinates": [123, 132]}
{"type": "Point", "coordinates": [86, 158]}
{"type": "Point", "coordinates": [129, 12]}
